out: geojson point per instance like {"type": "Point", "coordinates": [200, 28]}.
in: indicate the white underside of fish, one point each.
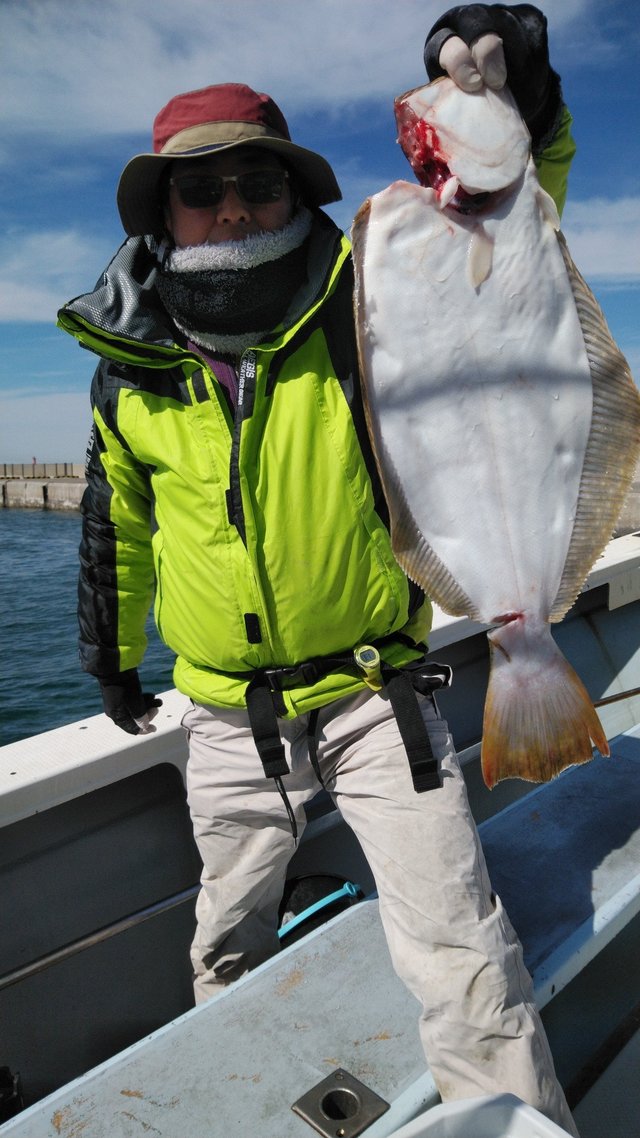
{"type": "Point", "coordinates": [504, 419]}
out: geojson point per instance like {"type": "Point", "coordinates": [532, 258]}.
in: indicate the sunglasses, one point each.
{"type": "Point", "coordinates": [256, 187]}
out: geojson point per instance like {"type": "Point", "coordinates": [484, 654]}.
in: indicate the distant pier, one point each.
{"type": "Point", "coordinates": [42, 485]}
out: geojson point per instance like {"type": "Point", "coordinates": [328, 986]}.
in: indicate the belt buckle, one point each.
{"type": "Point", "coordinates": [281, 679]}
{"type": "Point", "coordinates": [275, 677]}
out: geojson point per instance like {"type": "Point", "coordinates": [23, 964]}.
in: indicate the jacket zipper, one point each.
{"type": "Point", "coordinates": [244, 410]}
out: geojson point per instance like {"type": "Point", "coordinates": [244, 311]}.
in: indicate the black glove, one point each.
{"type": "Point", "coordinates": [522, 28]}
{"type": "Point", "coordinates": [124, 701]}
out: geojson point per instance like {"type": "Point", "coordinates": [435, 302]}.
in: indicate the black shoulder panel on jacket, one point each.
{"type": "Point", "coordinates": [125, 302]}
{"type": "Point", "coordinates": [97, 584]}
{"type": "Point", "coordinates": [111, 377]}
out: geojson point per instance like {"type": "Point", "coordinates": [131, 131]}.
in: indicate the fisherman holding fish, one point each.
{"type": "Point", "coordinates": [231, 475]}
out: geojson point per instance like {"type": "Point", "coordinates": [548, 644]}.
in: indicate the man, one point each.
{"type": "Point", "coordinates": [230, 471]}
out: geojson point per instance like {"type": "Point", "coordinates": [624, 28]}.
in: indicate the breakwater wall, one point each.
{"type": "Point", "coordinates": [42, 485]}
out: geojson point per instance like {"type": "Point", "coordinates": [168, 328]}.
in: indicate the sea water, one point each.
{"type": "Point", "coordinates": [41, 683]}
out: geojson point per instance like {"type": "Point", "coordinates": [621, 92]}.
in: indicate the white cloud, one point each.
{"type": "Point", "coordinates": [108, 67]}
{"type": "Point", "coordinates": [79, 69]}
{"type": "Point", "coordinates": [38, 271]}
{"type": "Point", "coordinates": [604, 238]}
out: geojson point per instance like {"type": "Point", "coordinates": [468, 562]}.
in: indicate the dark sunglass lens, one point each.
{"type": "Point", "coordinates": [204, 191]}
{"type": "Point", "coordinates": [200, 191]}
{"type": "Point", "coordinates": [261, 186]}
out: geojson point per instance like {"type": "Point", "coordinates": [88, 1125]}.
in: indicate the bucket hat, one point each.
{"type": "Point", "coordinates": [206, 121]}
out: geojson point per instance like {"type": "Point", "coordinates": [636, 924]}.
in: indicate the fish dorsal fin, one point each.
{"type": "Point", "coordinates": [613, 447]}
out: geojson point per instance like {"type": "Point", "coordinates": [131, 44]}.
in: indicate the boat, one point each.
{"type": "Point", "coordinates": [99, 875]}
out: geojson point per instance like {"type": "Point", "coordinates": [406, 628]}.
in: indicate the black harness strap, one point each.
{"type": "Point", "coordinates": [400, 684]}
{"type": "Point", "coordinates": [404, 701]}
{"type": "Point", "coordinates": [264, 724]}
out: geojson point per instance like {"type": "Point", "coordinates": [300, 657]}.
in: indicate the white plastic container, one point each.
{"type": "Point", "coordinates": [499, 1116]}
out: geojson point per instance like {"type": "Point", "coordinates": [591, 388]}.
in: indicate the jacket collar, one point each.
{"type": "Point", "coordinates": [123, 317]}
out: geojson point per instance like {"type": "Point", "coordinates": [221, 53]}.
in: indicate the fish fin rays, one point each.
{"type": "Point", "coordinates": [537, 721]}
{"type": "Point", "coordinates": [613, 447]}
{"type": "Point", "coordinates": [425, 568]}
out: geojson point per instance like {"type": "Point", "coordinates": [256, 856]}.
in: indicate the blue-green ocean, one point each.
{"type": "Point", "coordinates": [41, 683]}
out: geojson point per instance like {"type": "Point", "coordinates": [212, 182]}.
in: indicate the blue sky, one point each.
{"type": "Point", "coordinates": [80, 83]}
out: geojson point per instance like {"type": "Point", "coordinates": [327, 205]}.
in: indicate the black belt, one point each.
{"type": "Point", "coordinates": [401, 684]}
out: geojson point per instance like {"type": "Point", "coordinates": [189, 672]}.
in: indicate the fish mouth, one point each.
{"type": "Point", "coordinates": [421, 147]}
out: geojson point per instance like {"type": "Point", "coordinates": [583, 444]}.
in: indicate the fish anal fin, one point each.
{"type": "Point", "coordinates": [538, 717]}
{"type": "Point", "coordinates": [414, 554]}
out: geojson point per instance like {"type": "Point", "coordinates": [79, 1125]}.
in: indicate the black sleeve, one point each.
{"type": "Point", "coordinates": [116, 582]}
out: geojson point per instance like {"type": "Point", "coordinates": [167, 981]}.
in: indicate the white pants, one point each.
{"type": "Point", "coordinates": [449, 937]}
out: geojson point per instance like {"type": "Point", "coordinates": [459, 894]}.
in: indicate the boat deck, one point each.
{"type": "Point", "coordinates": [333, 1001]}
{"type": "Point", "coordinates": [95, 982]}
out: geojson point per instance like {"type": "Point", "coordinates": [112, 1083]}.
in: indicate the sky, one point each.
{"type": "Point", "coordinates": [80, 85]}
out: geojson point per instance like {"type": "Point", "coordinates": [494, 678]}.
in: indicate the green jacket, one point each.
{"type": "Point", "coordinates": [264, 540]}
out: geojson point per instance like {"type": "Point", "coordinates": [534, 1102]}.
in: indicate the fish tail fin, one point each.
{"type": "Point", "coordinates": [538, 716]}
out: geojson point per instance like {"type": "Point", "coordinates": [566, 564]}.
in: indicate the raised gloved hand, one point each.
{"type": "Point", "coordinates": [126, 703]}
{"type": "Point", "coordinates": [489, 44]}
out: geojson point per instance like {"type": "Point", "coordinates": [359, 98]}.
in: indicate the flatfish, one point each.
{"type": "Point", "coordinates": [504, 418]}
